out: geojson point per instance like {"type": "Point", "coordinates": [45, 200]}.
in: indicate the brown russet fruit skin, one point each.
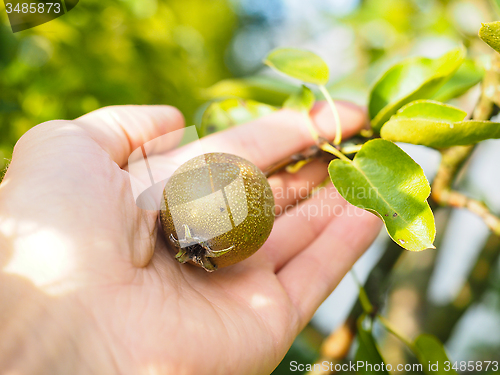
{"type": "Point", "coordinates": [224, 200]}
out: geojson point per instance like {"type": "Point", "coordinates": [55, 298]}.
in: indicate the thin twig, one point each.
{"type": "Point", "coordinates": [311, 153]}
{"type": "Point", "coordinates": [320, 151]}
{"type": "Point", "coordinates": [458, 200]}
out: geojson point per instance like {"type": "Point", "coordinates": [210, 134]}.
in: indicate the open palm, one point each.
{"type": "Point", "coordinates": [117, 301]}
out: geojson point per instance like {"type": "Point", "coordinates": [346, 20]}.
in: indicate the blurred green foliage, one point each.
{"type": "Point", "coordinates": [110, 53]}
{"type": "Point", "coordinates": [175, 52]}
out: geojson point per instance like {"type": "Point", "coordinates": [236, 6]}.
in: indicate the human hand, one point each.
{"type": "Point", "coordinates": [87, 286]}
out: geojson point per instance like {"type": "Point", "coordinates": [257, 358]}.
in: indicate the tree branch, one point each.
{"type": "Point", "coordinates": [440, 320]}
{"type": "Point", "coordinates": [313, 152]}
{"type": "Point", "coordinates": [454, 158]}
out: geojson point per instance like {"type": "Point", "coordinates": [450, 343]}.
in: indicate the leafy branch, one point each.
{"type": "Point", "coordinates": [401, 110]}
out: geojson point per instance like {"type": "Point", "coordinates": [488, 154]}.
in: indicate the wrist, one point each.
{"type": "Point", "coordinates": [42, 334]}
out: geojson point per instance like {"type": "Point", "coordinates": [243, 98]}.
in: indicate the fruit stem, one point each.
{"type": "Point", "coordinates": [351, 149]}
{"type": "Point", "coordinates": [325, 146]}
{"type": "Point", "coordinates": [338, 127]}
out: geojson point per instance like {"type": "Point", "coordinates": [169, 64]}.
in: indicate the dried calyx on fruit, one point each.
{"type": "Point", "coordinates": [218, 209]}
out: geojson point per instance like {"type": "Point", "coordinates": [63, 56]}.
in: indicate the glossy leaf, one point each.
{"type": "Point", "coordinates": [430, 351]}
{"type": "Point", "coordinates": [437, 134]}
{"type": "Point", "coordinates": [368, 351]}
{"type": "Point", "coordinates": [383, 179]}
{"type": "Point", "coordinates": [431, 110]}
{"type": "Point", "coordinates": [436, 125]}
{"type": "Point", "coordinates": [230, 112]}
{"type": "Point", "coordinates": [490, 34]}
{"type": "Point", "coordinates": [301, 101]}
{"type": "Point", "coordinates": [414, 78]}
{"type": "Point", "coordinates": [300, 64]}
{"type": "Point", "coordinates": [467, 76]}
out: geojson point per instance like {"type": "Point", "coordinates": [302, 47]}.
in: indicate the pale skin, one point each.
{"type": "Point", "coordinates": [88, 286]}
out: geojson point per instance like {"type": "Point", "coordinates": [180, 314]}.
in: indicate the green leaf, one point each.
{"type": "Point", "coordinates": [490, 34]}
{"type": "Point", "coordinates": [261, 89]}
{"type": "Point", "coordinates": [230, 112]}
{"type": "Point", "coordinates": [430, 110]}
{"type": "Point", "coordinates": [383, 179]}
{"type": "Point", "coordinates": [468, 75]}
{"type": "Point", "coordinates": [414, 78]}
{"type": "Point", "coordinates": [300, 64]}
{"type": "Point", "coordinates": [438, 134]}
{"type": "Point", "coordinates": [436, 125]}
{"type": "Point", "coordinates": [368, 351]}
{"type": "Point", "coordinates": [429, 351]}
{"type": "Point", "coordinates": [301, 101]}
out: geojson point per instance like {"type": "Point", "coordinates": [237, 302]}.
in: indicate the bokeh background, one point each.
{"type": "Point", "coordinates": [187, 53]}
